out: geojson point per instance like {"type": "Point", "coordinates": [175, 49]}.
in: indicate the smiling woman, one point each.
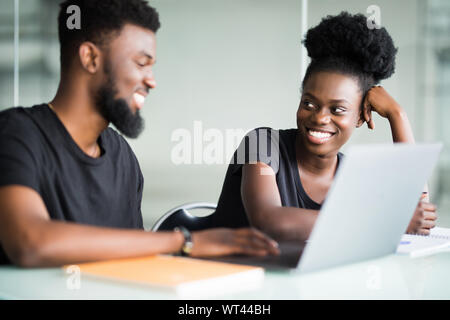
{"type": "Point", "coordinates": [329, 111]}
{"type": "Point", "coordinates": [338, 95]}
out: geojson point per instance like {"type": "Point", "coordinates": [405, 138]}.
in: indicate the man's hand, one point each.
{"type": "Point", "coordinates": [424, 219]}
{"type": "Point", "coordinates": [217, 242]}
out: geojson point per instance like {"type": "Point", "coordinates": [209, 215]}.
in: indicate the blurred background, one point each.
{"type": "Point", "coordinates": [235, 65]}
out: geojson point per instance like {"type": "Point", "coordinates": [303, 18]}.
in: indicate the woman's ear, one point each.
{"type": "Point", "coordinates": [90, 56]}
{"type": "Point", "coordinates": [365, 114]}
{"type": "Point", "coordinates": [361, 119]}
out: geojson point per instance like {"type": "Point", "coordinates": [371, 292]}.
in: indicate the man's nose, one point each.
{"type": "Point", "coordinates": [149, 80]}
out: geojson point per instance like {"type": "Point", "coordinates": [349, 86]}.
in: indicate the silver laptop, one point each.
{"type": "Point", "coordinates": [367, 210]}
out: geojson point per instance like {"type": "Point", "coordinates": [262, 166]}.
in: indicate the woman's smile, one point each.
{"type": "Point", "coordinates": [319, 136]}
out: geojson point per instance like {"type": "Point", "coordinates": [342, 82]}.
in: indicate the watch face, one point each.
{"type": "Point", "coordinates": [188, 244]}
{"type": "Point", "coordinates": [187, 248]}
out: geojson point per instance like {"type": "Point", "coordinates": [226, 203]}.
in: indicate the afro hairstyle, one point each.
{"type": "Point", "coordinates": [344, 43]}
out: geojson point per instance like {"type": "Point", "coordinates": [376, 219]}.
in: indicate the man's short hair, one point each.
{"type": "Point", "coordinates": [101, 19]}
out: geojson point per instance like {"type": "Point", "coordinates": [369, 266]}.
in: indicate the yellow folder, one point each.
{"type": "Point", "coordinates": [186, 276]}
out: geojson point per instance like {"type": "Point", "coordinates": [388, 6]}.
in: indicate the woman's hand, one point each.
{"type": "Point", "coordinates": [219, 242]}
{"type": "Point", "coordinates": [377, 99]}
{"type": "Point", "coordinates": [424, 219]}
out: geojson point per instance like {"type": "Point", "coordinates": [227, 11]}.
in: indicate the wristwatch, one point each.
{"type": "Point", "coordinates": [186, 249]}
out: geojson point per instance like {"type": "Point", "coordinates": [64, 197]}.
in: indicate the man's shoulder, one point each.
{"type": "Point", "coordinates": [12, 116]}
{"type": "Point", "coordinates": [19, 121]}
{"type": "Point", "coordinates": [21, 140]}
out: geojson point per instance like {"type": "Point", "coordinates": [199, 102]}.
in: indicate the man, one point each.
{"type": "Point", "coordinates": [70, 186]}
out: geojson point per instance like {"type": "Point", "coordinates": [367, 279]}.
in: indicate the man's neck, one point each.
{"type": "Point", "coordinates": [80, 117]}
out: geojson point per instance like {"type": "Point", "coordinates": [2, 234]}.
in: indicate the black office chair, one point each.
{"type": "Point", "coordinates": [180, 216]}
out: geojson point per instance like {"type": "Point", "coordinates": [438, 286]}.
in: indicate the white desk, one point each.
{"type": "Point", "coordinates": [390, 277]}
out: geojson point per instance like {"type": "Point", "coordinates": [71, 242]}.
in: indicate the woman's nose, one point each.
{"type": "Point", "coordinates": [322, 116]}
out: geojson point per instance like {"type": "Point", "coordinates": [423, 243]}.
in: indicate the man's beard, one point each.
{"type": "Point", "coordinates": [117, 111]}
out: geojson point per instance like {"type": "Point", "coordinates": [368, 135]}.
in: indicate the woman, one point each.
{"type": "Point", "coordinates": [282, 195]}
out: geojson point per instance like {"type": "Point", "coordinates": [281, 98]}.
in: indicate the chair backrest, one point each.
{"type": "Point", "coordinates": [180, 216]}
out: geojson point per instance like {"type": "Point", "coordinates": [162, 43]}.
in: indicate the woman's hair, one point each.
{"type": "Point", "coordinates": [345, 44]}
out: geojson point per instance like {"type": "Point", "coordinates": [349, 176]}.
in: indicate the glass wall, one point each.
{"type": "Point", "coordinates": [38, 54]}
{"type": "Point", "coordinates": [434, 90]}
{"type": "Point", "coordinates": [7, 56]}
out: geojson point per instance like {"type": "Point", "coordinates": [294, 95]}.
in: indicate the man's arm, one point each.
{"type": "Point", "coordinates": [262, 202]}
{"type": "Point", "coordinates": [31, 239]}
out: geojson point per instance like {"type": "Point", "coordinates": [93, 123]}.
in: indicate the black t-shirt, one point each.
{"type": "Point", "coordinates": [275, 148]}
{"type": "Point", "coordinates": [37, 151]}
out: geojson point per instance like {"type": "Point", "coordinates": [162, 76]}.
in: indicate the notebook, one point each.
{"type": "Point", "coordinates": [186, 277]}
{"type": "Point", "coordinates": [419, 245]}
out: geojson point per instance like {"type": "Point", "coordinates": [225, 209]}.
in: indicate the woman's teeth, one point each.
{"type": "Point", "coordinates": [319, 134]}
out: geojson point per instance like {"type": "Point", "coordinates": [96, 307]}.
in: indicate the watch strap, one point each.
{"type": "Point", "coordinates": [188, 244]}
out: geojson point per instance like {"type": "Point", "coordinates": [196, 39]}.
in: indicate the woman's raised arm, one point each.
{"type": "Point", "coordinates": [378, 100]}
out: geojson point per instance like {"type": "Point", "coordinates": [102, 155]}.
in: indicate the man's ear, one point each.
{"type": "Point", "coordinates": [90, 56]}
